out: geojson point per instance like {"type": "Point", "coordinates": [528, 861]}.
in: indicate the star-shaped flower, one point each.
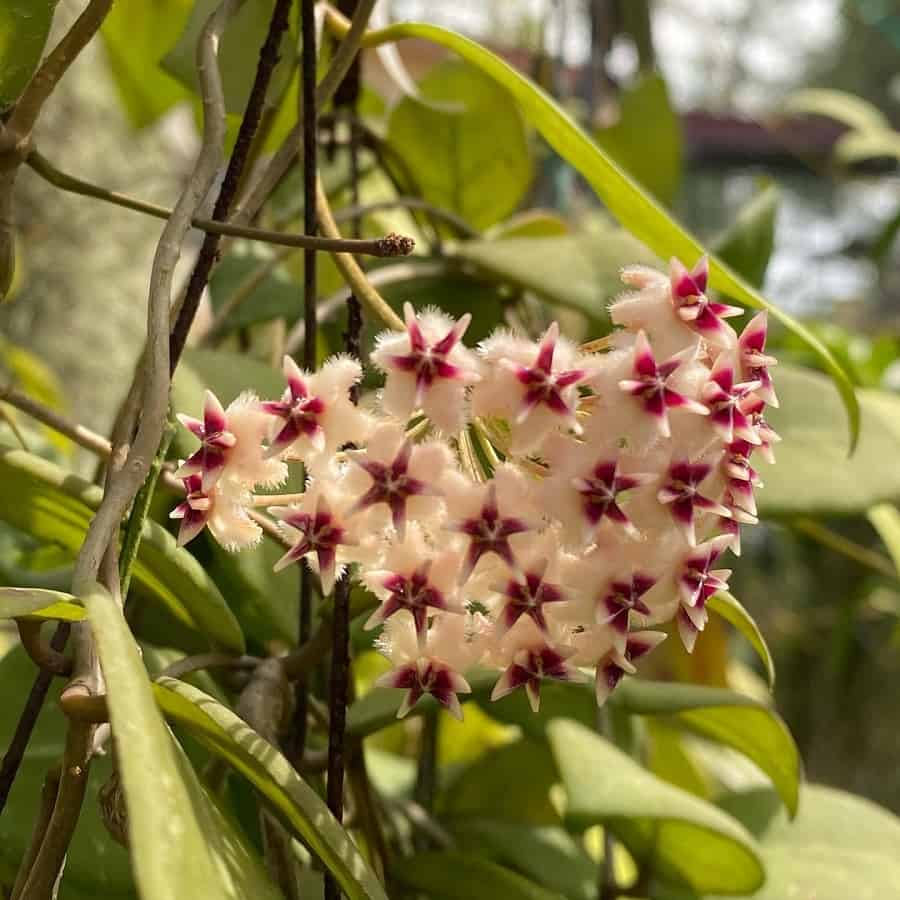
{"type": "Point", "coordinates": [427, 367]}
{"type": "Point", "coordinates": [724, 399]}
{"type": "Point", "coordinates": [194, 511]}
{"type": "Point", "coordinates": [215, 443]}
{"type": "Point", "coordinates": [695, 309]}
{"type": "Point", "coordinates": [392, 484]}
{"type": "Point", "coordinates": [320, 532]}
{"type": "Point", "coordinates": [530, 665]}
{"type": "Point", "coordinates": [651, 388]}
{"type": "Point", "coordinates": [411, 591]}
{"type": "Point", "coordinates": [541, 386]}
{"type": "Point", "coordinates": [526, 594]}
{"type": "Point", "coordinates": [489, 532]}
{"type": "Point", "coordinates": [426, 675]}
{"type": "Point", "coordinates": [697, 580]}
{"type": "Point", "coordinates": [681, 492]}
{"type": "Point", "coordinates": [616, 603]}
{"type": "Point", "coordinates": [299, 409]}
{"type": "Point", "coordinates": [600, 492]}
{"type": "Point", "coordinates": [754, 361]}
{"type": "Point", "coordinates": [621, 661]}
{"type": "Point", "coordinates": [753, 406]}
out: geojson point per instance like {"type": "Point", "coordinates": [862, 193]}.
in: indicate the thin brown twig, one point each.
{"type": "Point", "coordinates": [385, 247]}
{"type": "Point", "coordinates": [42, 654]}
{"type": "Point", "coordinates": [190, 664]}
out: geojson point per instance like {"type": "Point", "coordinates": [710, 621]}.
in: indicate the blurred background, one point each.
{"type": "Point", "coordinates": [780, 115]}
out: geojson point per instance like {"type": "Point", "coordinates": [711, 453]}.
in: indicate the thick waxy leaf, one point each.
{"type": "Point", "coordinates": [717, 714]}
{"type": "Point", "coordinates": [458, 876]}
{"type": "Point", "coordinates": [137, 34]}
{"type": "Point", "coordinates": [576, 270]}
{"type": "Point", "coordinates": [682, 838]}
{"type": "Point", "coordinates": [646, 139]}
{"type": "Point", "coordinates": [726, 717]}
{"type": "Point", "coordinates": [238, 51]}
{"type": "Point", "coordinates": [301, 809]}
{"type": "Point", "coordinates": [24, 26]}
{"type": "Point", "coordinates": [747, 243]}
{"type": "Point", "coordinates": [839, 846]}
{"type": "Point", "coordinates": [470, 154]}
{"type": "Point", "coordinates": [55, 507]}
{"type": "Point", "coordinates": [546, 854]}
{"type": "Point", "coordinates": [733, 611]}
{"type": "Point", "coordinates": [39, 603]}
{"type": "Point", "coordinates": [634, 208]}
{"type": "Point", "coordinates": [96, 866]}
{"type": "Point", "coordinates": [180, 844]}
{"type": "Point", "coordinates": [813, 474]}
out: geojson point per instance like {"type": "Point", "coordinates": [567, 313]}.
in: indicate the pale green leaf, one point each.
{"type": "Point", "coordinates": [885, 519]}
{"type": "Point", "coordinates": [39, 603]}
{"type": "Point", "coordinates": [55, 507]}
{"type": "Point", "coordinates": [813, 475]}
{"type": "Point", "coordinates": [634, 208]}
{"type": "Point", "coordinates": [300, 808]}
{"type": "Point", "coordinates": [848, 109]}
{"type": "Point", "coordinates": [681, 837]}
{"type": "Point", "coordinates": [24, 26]}
{"type": "Point", "coordinates": [860, 146]}
{"type": "Point", "coordinates": [646, 139]}
{"type": "Point", "coordinates": [838, 847]}
{"type": "Point", "coordinates": [458, 876]}
{"type": "Point", "coordinates": [747, 243]}
{"type": "Point", "coordinates": [733, 611]}
{"type": "Point", "coordinates": [180, 842]}
{"type": "Point", "coordinates": [471, 155]}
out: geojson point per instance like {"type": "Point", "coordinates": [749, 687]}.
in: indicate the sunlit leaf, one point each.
{"type": "Point", "coordinates": [681, 837]}
{"type": "Point", "coordinates": [646, 139]}
{"type": "Point", "coordinates": [56, 507]}
{"type": "Point", "coordinates": [850, 110]}
{"type": "Point", "coordinates": [839, 846]}
{"type": "Point", "coordinates": [472, 157]}
{"type": "Point", "coordinates": [136, 35]}
{"type": "Point", "coordinates": [458, 876]}
{"type": "Point", "coordinates": [733, 611]}
{"type": "Point", "coordinates": [24, 26]}
{"type": "Point", "coordinates": [300, 808]}
{"type": "Point", "coordinates": [37, 603]}
{"type": "Point", "coordinates": [747, 243]}
{"type": "Point", "coordinates": [238, 51]}
{"type": "Point", "coordinates": [180, 843]}
{"type": "Point", "coordinates": [635, 209]}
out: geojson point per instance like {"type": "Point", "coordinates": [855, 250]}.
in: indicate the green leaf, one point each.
{"type": "Point", "coordinates": [885, 519]}
{"type": "Point", "coordinates": [681, 837]}
{"type": "Point", "coordinates": [458, 876]}
{"type": "Point", "coordinates": [813, 475]}
{"type": "Point", "coordinates": [646, 140]}
{"type": "Point", "coordinates": [839, 846]}
{"type": "Point", "coordinates": [510, 783]}
{"type": "Point", "coordinates": [530, 223]}
{"type": "Point", "coordinates": [635, 209]}
{"type": "Point", "coordinates": [38, 603]}
{"type": "Point", "coordinates": [136, 35]}
{"type": "Point", "coordinates": [547, 854]}
{"type": "Point", "coordinates": [726, 717]}
{"type": "Point", "coordinates": [96, 866]}
{"type": "Point", "coordinates": [471, 155]}
{"type": "Point", "coordinates": [747, 243]}
{"type": "Point", "coordinates": [24, 26]}
{"type": "Point", "coordinates": [850, 110]}
{"type": "Point", "coordinates": [179, 842]}
{"type": "Point", "coordinates": [731, 609]}
{"type": "Point", "coordinates": [56, 507]}
{"type": "Point", "coordinates": [861, 146]}
{"type": "Point", "coordinates": [580, 271]}
{"type": "Point", "coordinates": [238, 51]}
{"type": "Point", "coordinates": [300, 808]}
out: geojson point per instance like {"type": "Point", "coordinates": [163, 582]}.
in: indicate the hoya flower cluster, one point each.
{"type": "Point", "coordinates": [527, 506]}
